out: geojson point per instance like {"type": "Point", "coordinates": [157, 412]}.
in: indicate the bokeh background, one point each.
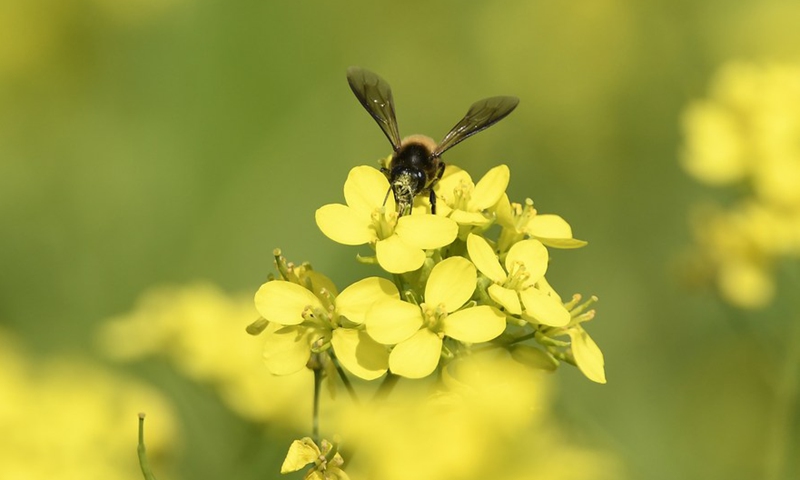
{"type": "Point", "coordinates": [165, 142]}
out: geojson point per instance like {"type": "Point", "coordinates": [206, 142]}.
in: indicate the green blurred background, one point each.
{"type": "Point", "coordinates": [159, 142]}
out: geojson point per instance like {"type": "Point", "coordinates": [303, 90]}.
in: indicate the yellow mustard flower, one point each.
{"type": "Point", "coordinates": [399, 242]}
{"type": "Point", "coordinates": [525, 266]}
{"type": "Point", "coordinates": [310, 324]}
{"type": "Point", "coordinates": [327, 461]}
{"type": "Point", "coordinates": [519, 221]}
{"type": "Point", "coordinates": [417, 330]}
{"type": "Point", "coordinates": [466, 202]}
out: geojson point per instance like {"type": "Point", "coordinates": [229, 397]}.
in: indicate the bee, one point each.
{"type": "Point", "coordinates": [416, 163]}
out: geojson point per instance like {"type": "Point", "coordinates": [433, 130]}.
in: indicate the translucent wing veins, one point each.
{"type": "Point", "coordinates": [480, 116]}
{"type": "Point", "coordinates": [375, 95]}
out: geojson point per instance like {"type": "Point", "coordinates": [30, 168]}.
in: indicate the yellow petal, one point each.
{"type": "Point", "coordinates": [544, 286]}
{"type": "Point", "coordinates": [587, 355]}
{"type": "Point", "coordinates": [477, 324]}
{"type": "Point", "coordinates": [490, 188]}
{"type": "Point", "coordinates": [450, 181]}
{"type": "Point", "coordinates": [287, 350]}
{"type": "Point", "coordinates": [359, 353]}
{"type": "Point", "coordinates": [564, 243]}
{"type": "Point", "coordinates": [553, 231]}
{"type": "Point", "coordinates": [505, 216]}
{"type": "Point", "coordinates": [506, 297]}
{"type": "Point", "coordinates": [320, 282]}
{"type": "Point", "coordinates": [344, 225]}
{"type": "Point", "coordinates": [283, 302]}
{"type": "Point", "coordinates": [365, 189]}
{"type": "Point", "coordinates": [418, 356]}
{"type": "Point", "coordinates": [530, 253]}
{"type": "Point", "coordinates": [391, 321]}
{"type": "Point", "coordinates": [462, 217]}
{"type": "Point", "coordinates": [396, 256]}
{"type": "Point", "coordinates": [354, 301]}
{"type": "Point", "coordinates": [543, 308]}
{"type": "Point", "coordinates": [426, 231]}
{"type": "Point", "coordinates": [482, 255]}
{"type": "Point", "coordinates": [451, 283]}
{"type": "Point", "coordinates": [301, 453]}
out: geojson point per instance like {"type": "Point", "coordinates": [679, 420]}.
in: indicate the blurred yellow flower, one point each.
{"type": "Point", "coordinates": [68, 418]}
{"type": "Point", "coordinates": [399, 243]}
{"type": "Point", "coordinates": [490, 417]}
{"type": "Point", "coordinates": [417, 331]}
{"type": "Point", "coordinates": [310, 324]}
{"type": "Point", "coordinates": [747, 132]}
{"type": "Point", "coordinates": [202, 330]}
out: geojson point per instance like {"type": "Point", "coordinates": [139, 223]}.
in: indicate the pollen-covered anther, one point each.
{"type": "Point", "coordinates": [518, 276]}
{"type": "Point", "coordinates": [432, 316]}
{"type": "Point", "coordinates": [584, 317]}
{"type": "Point", "coordinates": [462, 195]}
{"type": "Point", "coordinates": [576, 310]}
{"type": "Point", "coordinates": [526, 214]}
{"type": "Point", "coordinates": [576, 298]}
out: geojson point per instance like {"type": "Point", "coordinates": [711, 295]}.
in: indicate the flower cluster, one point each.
{"type": "Point", "coordinates": [466, 282]}
{"type": "Point", "coordinates": [747, 135]}
{"type": "Point", "coordinates": [453, 287]}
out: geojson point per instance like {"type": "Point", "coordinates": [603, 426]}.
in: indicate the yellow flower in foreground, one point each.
{"type": "Point", "coordinates": [495, 420]}
{"type": "Point", "coordinates": [310, 324]}
{"type": "Point", "coordinates": [70, 418]}
{"type": "Point", "coordinates": [417, 331]}
{"type": "Point", "coordinates": [519, 221]}
{"type": "Point", "coordinates": [399, 243]}
{"type": "Point", "coordinates": [467, 202]}
{"type": "Point", "coordinates": [525, 266]}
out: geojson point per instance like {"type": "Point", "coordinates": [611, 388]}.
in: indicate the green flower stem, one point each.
{"type": "Point", "coordinates": [398, 282]}
{"type": "Point", "coordinates": [315, 415]}
{"type": "Point", "coordinates": [345, 379]}
{"type": "Point", "coordinates": [386, 387]}
{"type": "Point", "coordinates": [143, 463]}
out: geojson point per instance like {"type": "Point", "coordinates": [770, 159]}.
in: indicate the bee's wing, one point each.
{"type": "Point", "coordinates": [376, 95]}
{"type": "Point", "coordinates": [481, 115]}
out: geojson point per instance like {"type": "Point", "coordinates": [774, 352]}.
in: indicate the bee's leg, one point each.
{"type": "Point", "coordinates": [439, 173]}
{"type": "Point", "coordinates": [386, 172]}
{"type": "Point", "coordinates": [387, 196]}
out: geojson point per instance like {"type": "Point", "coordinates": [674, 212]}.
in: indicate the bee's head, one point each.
{"type": "Point", "coordinates": [406, 183]}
